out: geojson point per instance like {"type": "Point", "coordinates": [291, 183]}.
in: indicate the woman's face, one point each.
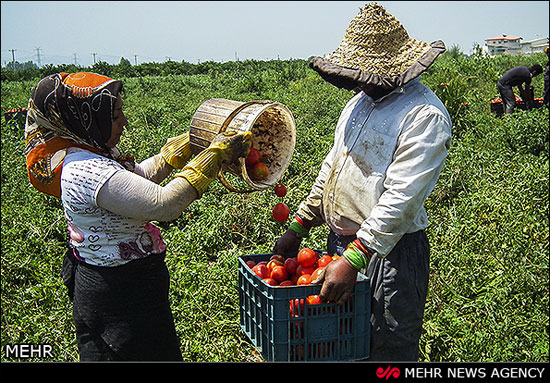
{"type": "Point", "coordinates": [119, 122]}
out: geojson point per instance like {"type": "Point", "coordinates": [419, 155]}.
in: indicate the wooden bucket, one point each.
{"type": "Point", "coordinates": [273, 134]}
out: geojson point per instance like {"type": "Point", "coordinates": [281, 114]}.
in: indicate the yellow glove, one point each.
{"type": "Point", "coordinates": [177, 151]}
{"type": "Point", "coordinates": [226, 148]}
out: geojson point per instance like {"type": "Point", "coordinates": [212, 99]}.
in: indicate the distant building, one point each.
{"type": "Point", "coordinates": [503, 44]}
{"type": "Point", "coordinates": [534, 46]}
{"type": "Point", "coordinates": [512, 45]}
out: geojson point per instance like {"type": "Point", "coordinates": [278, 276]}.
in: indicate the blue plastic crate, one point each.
{"type": "Point", "coordinates": [283, 327]}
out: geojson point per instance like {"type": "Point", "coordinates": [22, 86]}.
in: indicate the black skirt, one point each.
{"type": "Point", "coordinates": [122, 313]}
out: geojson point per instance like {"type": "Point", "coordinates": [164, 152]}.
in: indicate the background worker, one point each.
{"type": "Point", "coordinates": [521, 77]}
{"type": "Point", "coordinates": [114, 269]}
{"type": "Point", "coordinates": [390, 144]}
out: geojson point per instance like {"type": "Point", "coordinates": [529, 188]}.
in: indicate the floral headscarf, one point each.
{"type": "Point", "coordinates": [68, 110]}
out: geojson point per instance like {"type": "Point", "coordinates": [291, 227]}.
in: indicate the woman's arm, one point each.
{"type": "Point", "coordinates": [154, 168]}
{"type": "Point", "coordinates": [131, 195]}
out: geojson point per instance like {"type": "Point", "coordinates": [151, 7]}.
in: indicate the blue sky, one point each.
{"type": "Point", "coordinates": [194, 31]}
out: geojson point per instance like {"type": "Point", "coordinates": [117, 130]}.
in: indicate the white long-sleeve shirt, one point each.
{"type": "Point", "coordinates": [386, 159]}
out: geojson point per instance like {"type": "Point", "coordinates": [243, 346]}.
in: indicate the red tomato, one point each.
{"type": "Point", "coordinates": [250, 264]}
{"type": "Point", "coordinates": [307, 257]}
{"type": "Point", "coordinates": [277, 257]}
{"type": "Point", "coordinates": [253, 157]}
{"type": "Point", "coordinates": [290, 265]}
{"type": "Point", "coordinates": [313, 300]}
{"type": "Point", "coordinates": [301, 270]}
{"type": "Point", "coordinates": [263, 263]}
{"type": "Point", "coordinates": [280, 212]}
{"type": "Point", "coordinates": [270, 281]}
{"type": "Point", "coordinates": [260, 271]}
{"type": "Point", "coordinates": [324, 260]}
{"type": "Point", "coordinates": [304, 279]}
{"type": "Point", "coordinates": [260, 171]}
{"type": "Point", "coordinates": [271, 264]}
{"type": "Point", "coordinates": [287, 282]}
{"type": "Point", "coordinates": [280, 190]}
{"type": "Point", "coordinates": [279, 274]}
{"type": "Point", "coordinates": [316, 273]}
{"type": "Point", "coordinates": [296, 307]}
{"type": "Point", "coordinates": [294, 279]}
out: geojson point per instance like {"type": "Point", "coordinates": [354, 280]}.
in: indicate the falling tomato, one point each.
{"type": "Point", "coordinates": [280, 190]}
{"type": "Point", "coordinates": [280, 212]}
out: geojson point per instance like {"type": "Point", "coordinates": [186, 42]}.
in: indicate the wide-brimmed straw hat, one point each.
{"type": "Point", "coordinates": [376, 50]}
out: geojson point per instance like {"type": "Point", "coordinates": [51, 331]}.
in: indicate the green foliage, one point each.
{"type": "Point", "coordinates": [488, 229]}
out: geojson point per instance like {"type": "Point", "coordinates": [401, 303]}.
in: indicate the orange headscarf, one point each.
{"type": "Point", "coordinates": [67, 110]}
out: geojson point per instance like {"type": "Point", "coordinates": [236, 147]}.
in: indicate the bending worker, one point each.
{"type": "Point", "coordinates": [114, 269]}
{"type": "Point", "coordinates": [390, 145]}
{"type": "Point", "coordinates": [521, 77]}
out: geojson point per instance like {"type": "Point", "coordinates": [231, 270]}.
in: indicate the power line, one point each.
{"type": "Point", "coordinates": [13, 58]}
{"type": "Point", "coordinates": [38, 55]}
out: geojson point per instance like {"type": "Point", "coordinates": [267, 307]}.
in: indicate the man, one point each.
{"type": "Point", "coordinates": [390, 144]}
{"type": "Point", "coordinates": [521, 77]}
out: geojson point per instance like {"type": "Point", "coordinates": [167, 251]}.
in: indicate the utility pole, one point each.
{"type": "Point", "coordinates": [135, 59]}
{"type": "Point", "coordinates": [38, 56]}
{"type": "Point", "coordinates": [13, 58]}
{"type": "Point", "coordinates": [94, 54]}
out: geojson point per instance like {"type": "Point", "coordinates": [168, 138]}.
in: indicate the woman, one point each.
{"type": "Point", "coordinates": [114, 268]}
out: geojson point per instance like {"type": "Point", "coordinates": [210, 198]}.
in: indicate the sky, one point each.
{"type": "Point", "coordinates": [197, 31]}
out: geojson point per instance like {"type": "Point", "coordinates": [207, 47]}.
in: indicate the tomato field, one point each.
{"type": "Point", "coordinates": [488, 215]}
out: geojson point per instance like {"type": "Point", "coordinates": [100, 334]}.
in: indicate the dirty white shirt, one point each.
{"type": "Point", "coordinates": [386, 159]}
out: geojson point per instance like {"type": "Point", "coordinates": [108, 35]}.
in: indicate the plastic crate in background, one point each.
{"type": "Point", "coordinates": [283, 327]}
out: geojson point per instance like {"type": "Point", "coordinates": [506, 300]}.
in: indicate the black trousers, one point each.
{"type": "Point", "coordinates": [507, 96]}
{"type": "Point", "coordinates": [122, 313]}
{"type": "Point", "coordinates": [399, 286]}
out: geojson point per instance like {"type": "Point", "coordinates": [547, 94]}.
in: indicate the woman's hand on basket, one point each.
{"type": "Point", "coordinates": [232, 146]}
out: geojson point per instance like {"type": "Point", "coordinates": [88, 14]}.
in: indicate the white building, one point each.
{"type": "Point", "coordinates": [503, 44]}
{"type": "Point", "coordinates": [534, 46]}
{"type": "Point", "coordinates": [512, 45]}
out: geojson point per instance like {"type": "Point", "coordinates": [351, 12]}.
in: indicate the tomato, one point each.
{"type": "Point", "coordinates": [260, 171]}
{"type": "Point", "coordinates": [294, 279]}
{"type": "Point", "coordinates": [271, 264]}
{"type": "Point", "coordinates": [290, 265]}
{"type": "Point", "coordinates": [287, 282]}
{"type": "Point", "coordinates": [260, 271]}
{"type": "Point", "coordinates": [270, 281]}
{"type": "Point", "coordinates": [253, 157]}
{"type": "Point", "coordinates": [296, 307]}
{"type": "Point", "coordinates": [307, 257]}
{"type": "Point", "coordinates": [277, 257]}
{"type": "Point", "coordinates": [279, 274]}
{"type": "Point", "coordinates": [324, 260]}
{"type": "Point", "coordinates": [250, 264]}
{"type": "Point", "coordinates": [316, 273]}
{"type": "Point", "coordinates": [335, 257]}
{"type": "Point", "coordinates": [280, 212]}
{"type": "Point", "coordinates": [263, 263]}
{"type": "Point", "coordinates": [280, 190]}
{"type": "Point", "coordinates": [301, 270]}
{"type": "Point", "coordinates": [313, 300]}
{"type": "Point", "coordinates": [304, 279]}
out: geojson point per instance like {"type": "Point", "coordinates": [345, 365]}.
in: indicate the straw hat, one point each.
{"type": "Point", "coordinates": [376, 50]}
